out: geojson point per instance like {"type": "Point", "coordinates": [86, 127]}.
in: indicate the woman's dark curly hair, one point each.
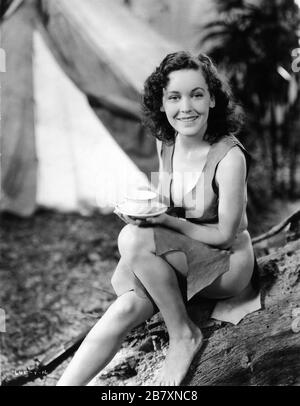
{"type": "Point", "coordinates": [223, 119]}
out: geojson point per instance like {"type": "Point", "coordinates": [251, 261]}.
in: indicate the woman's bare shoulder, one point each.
{"type": "Point", "coordinates": [234, 158]}
{"type": "Point", "coordinates": [232, 165]}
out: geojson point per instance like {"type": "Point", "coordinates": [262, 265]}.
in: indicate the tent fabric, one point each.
{"type": "Point", "coordinates": [80, 165]}
{"type": "Point", "coordinates": [8, 7]}
{"type": "Point", "coordinates": [107, 53]}
{"type": "Point", "coordinates": [18, 155]}
{"type": "Point", "coordinates": [178, 20]}
{"type": "Point", "coordinates": [124, 50]}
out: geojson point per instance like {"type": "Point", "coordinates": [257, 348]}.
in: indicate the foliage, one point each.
{"type": "Point", "coordinates": [253, 42]}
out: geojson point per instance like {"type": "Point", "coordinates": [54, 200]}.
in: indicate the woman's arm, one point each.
{"type": "Point", "coordinates": [230, 179]}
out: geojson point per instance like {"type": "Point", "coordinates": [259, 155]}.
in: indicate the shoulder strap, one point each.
{"type": "Point", "coordinates": [248, 157]}
{"type": "Point", "coordinates": [166, 172]}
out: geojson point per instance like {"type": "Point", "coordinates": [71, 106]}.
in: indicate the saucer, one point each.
{"type": "Point", "coordinates": [156, 211]}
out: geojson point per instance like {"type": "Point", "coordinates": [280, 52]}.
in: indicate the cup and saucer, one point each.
{"type": "Point", "coordinates": [141, 204]}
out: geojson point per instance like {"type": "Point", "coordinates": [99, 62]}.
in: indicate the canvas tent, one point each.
{"type": "Point", "coordinates": [179, 20]}
{"type": "Point", "coordinates": [55, 151]}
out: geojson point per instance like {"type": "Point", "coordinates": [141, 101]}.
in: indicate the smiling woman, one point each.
{"type": "Point", "coordinates": [205, 84]}
{"type": "Point", "coordinates": [200, 245]}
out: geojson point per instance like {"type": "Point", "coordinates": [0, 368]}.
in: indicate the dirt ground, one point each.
{"type": "Point", "coordinates": [55, 280]}
{"type": "Point", "coordinates": [55, 283]}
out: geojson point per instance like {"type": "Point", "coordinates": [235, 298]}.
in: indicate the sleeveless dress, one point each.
{"type": "Point", "coordinates": [205, 263]}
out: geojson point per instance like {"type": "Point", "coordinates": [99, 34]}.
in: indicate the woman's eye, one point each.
{"type": "Point", "coordinates": [198, 95]}
{"type": "Point", "coordinates": [173, 98]}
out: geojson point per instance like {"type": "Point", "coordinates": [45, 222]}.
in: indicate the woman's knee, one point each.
{"type": "Point", "coordinates": [126, 308]}
{"type": "Point", "coordinates": [121, 314]}
{"type": "Point", "coordinates": [133, 240]}
{"type": "Point", "coordinates": [147, 270]}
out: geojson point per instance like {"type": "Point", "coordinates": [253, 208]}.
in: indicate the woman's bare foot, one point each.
{"type": "Point", "coordinates": [181, 353]}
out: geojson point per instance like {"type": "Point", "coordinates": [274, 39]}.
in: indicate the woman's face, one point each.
{"type": "Point", "coordinates": [186, 102]}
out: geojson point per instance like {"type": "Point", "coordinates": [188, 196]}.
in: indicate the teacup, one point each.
{"type": "Point", "coordinates": [140, 201]}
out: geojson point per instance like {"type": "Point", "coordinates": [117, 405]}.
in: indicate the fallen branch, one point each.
{"type": "Point", "coordinates": [294, 218]}
{"type": "Point", "coordinates": [48, 364]}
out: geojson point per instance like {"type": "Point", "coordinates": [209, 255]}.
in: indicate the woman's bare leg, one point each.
{"type": "Point", "coordinates": [136, 245]}
{"type": "Point", "coordinates": [185, 338]}
{"type": "Point", "coordinates": [105, 338]}
{"type": "Point", "coordinates": [129, 310]}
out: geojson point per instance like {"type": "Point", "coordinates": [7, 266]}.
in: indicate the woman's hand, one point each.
{"type": "Point", "coordinates": [145, 222]}
{"type": "Point", "coordinates": [161, 219]}
{"type": "Point", "coordinates": [128, 219]}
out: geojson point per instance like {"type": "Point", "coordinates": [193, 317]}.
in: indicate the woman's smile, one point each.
{"type": "Point", "coordinates": [188, 122]}
{"type": "Point", "coordinates": [187, 119]}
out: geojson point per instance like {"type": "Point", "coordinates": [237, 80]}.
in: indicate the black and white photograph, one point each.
{"type": "Point", "coordinates": [150, 195]}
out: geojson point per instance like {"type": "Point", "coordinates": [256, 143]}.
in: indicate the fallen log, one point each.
{"type": "Point", "coordinates": [264, 348]}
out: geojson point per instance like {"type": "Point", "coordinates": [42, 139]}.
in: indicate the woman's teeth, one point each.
{"type": "Point", "coordinates": [188, 118]}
